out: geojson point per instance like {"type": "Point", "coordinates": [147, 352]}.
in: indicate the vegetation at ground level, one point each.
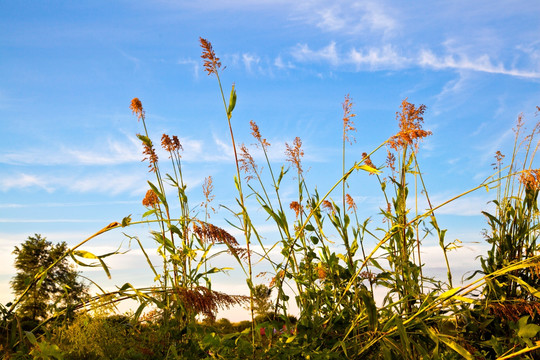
{"type": "Point", "coordinates": [494, 316]}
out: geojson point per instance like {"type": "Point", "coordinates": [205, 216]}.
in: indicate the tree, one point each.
{"type": "Point", "coordinates": [60, 286]}
{"type": "Point", "coordinates": [262, 303]}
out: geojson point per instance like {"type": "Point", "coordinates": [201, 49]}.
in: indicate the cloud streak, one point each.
{"type": "Point", "coordinates": [389, 57]}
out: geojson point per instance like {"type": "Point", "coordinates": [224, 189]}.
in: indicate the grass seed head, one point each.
{"type": "Point", "coordinates": [246, 163]}
{"type": "Point", "coordinates": [410, 132]}
{"type": "Point", "coordinates": [257, 135]}
{"type": "Point", "coordinates": [296, 207]}
{"type": "Point", "coordinates": [137, 108]}
{"type": "Point", "coordinates": [150, 199]}
{"type": "Point", "coordinates": [350, 202]}
{"type": "Point", "coordinates": [530, 179]}
{"type": "Point", "coordinates": [295, 153]}
{"type": "Point", "coordinates": [211, 61]}
{"type": "Point", "coordinates": [348, 124]}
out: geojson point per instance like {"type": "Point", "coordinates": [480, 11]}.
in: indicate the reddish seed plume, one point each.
{"type": "Point", "coordinates": [257, 135]}
{"type": "Point", "coordinates": [246, 163]}
{"type": "Point", "coordinates": [327, 205]}
{"type": "Point", "coordinates": [410, 126]}
{"type": "Point", "coordinates": [211, 61]}
{"type": "Point", "coordinates": [530, 179]}
{"type": "Point", "coordinates": [151, 199]}
{"type": "Point", "coordinates": [137, 108]}
{"type": "Point", "coordinates": [350, 202]}
{"type": "Point", "coordinates": [150, 155]}
{"type": "Point", "coordinates": [296, 207]}
{"type": "Point", "coordinates": [208, 187]}
{"type": "Point", "coordinates": [367, 161]}
{"type": "Point", "coordinates": [295, 153]}
{"type": "Point", "coordinates": [348, 124]}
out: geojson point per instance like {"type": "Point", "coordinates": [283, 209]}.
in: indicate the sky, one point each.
{"type": "Point", "coordinates": [70, 162]}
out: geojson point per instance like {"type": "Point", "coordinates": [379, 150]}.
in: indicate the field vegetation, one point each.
{"type": "Point", "coordinates": [494, 315]}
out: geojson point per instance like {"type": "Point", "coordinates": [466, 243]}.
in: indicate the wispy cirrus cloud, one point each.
{"type": "Point", "coordinates": [345, 17]}
{"type": "Point", "coordinates": [386, 57]}
{"type": "Point", "coordinates": [303, 53]}
{"type": "Point", "coordinates": [250, 60]}
{"type": "Point", "coordinates": [482, 63]}
{"type": "Point", "coordinates": [194, 65]}
{"type": "Point", "coordinates": [23, 181]}
{"type": "Point", "coordinates": [389, 57]}
{"type": "Point", "coordinates": [108, 182]}
{"type": "Point", "coordinates": [107, 152]}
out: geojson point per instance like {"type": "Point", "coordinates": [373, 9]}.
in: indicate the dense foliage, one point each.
{"type": "Point", "coordinates": [60, 288]}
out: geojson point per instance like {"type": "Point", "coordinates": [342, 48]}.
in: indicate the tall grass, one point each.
{"type": "Point", "coordinates": [332, 262]}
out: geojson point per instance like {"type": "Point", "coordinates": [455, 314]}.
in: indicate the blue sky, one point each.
{"type": "Point", "coordinates": [70, 161]}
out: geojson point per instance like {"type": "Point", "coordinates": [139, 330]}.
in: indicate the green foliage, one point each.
{"type": "Point", "coordinates": [262, 301]}
{"type": "Point", "coordinates": [57, 289]}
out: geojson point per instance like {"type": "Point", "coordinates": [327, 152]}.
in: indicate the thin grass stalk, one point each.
{"type": "Point", "coordinates": [212, 65]}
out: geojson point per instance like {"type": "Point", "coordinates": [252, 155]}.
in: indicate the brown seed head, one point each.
{"type": "Point", "coordinates": [410, 126]}
{"type": "Point", "coordinates": [215, 235]}
{"type": "Point", "coordinates": [211, 61]}
{"type": "Point", "coordinates": [151, 199]}
{"type": "Point", "coordinates": [169, 144]}
{"type": "Point", "coordinates": [391, 161]}
{"type": "Point", "coordinates": [136, 108]}
{"type": "Point", "coordinates": [327, 205]}
{"type": "Point", "coordinates": [519, 123]}
{"type": "Point", "coordinates": [348, 124]}
{"type": "Point", "coordinates": [321, 271]}
{"type": "Point", "coordinates": [296, 207]}
{"type": "Point", "coordinates": [530, 179]}
{"type": "Point", "coordinates": [150, 154]}
{"type": "Point", "coordinates": [279, 276]}
{"type": "Point", "coordinates": [295, 153]}
{"type": "Point", "coordinates": [350, 202]}
{"type": "Point", "coordinates": [498, 160]}
{"type": "Point", "coordinates": [257, 135]}
{"type": "Point", "coordinates": [208, 187]}
{"type": "Point", "coordinates": [368, 162]}
{"type": "Point", "coordinates": [246, 163]}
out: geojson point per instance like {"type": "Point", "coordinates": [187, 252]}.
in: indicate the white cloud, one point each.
{"type": "Point", "coordinates": [249, 60]}
{"type": "Point", "coordinates": [345, 17]}
{"type": "Point", "coordinates": [278, 62]}
{"type": "Point", "coordinates": [482, 63]}
{"type": "Point", "coordinates": [302, 52]}
{"type": "Point", "coordinates": [376, 17]}
{"type": "Point", "coordinates": [109, 182]}
{"type": "Point", "coordinates": [115, 152]}
{"type": "Point", "coordinates": [193, 63]}
{"type": "Point", "coordinates": [23, 181]}
{"type": "Point", "coordinates": [376, 58]}
{"type": "Point", "coordinates": [389, 57]}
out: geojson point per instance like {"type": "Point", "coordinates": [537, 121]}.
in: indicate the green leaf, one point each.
{"type": "Point", "coordinates": [367, 168]}
{"type": "Point", "coordinates": [450, 343]}
{"type": "Point", "coordinates": [126, 220]}
{"type": "Point", "coordinates": [529, 330]}
{"type": "Point", "coordinates": [85, 254]}
{"type": "Point", "coordinates": [449, 293]}
{"type": "Point", "coordinates": [145, 139]}
{"type": "Point", "coordinates": [290, 339]}
{"type": "Point", "coordinates": [371, 308]}
{"type": "Point", "coordinates": [159, 194]}
{"type": "Point", "coordinates": [232, 101]}
{"type": "Point", "coordinates": [31, 337]}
